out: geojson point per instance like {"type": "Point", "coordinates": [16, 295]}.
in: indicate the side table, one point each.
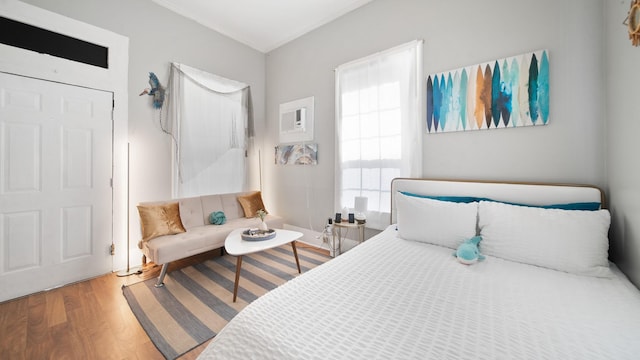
{"type": "Point", "coordinates": [337, 232]}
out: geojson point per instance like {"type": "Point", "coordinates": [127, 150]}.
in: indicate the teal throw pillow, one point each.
{"type": "Point", "coordinates": [217, 218]}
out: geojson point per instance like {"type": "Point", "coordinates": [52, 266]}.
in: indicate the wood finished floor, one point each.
{"type": "Point", "coordinates": [85, 320]}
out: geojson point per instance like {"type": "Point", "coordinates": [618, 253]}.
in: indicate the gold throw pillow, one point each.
{"type": "Point", "coordinates": [158, 220]}
{"type": "Point", "coordinates": [251, 203]}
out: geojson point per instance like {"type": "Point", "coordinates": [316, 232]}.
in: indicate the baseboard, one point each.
{"type": "Point", "coordinates": [309, 237]}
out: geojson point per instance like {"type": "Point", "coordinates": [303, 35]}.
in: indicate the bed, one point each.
{"type": "Point", "coordinates": [545, 289]}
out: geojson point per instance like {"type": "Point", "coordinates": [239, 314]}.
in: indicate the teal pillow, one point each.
{"type": "Point", "coordinates": [217, 218]}
{"type": "Point", "coordinates": [455, 199]}
{"type": "Point", "coordinates": [589, 206]}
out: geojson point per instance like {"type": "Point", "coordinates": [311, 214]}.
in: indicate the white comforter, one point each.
{"type": "Point", "coordinates": [396, 299]}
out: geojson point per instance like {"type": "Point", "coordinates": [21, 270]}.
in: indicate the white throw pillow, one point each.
{"type": "Point", "coordinates": [436, 222]}
{"type": "Point", "coordinates": [574, 241]}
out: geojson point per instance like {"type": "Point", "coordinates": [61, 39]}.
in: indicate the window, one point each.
{"type": "Point", "coordinates": [378, 128]}
{"type": "Point", "coordinates": [210, 126]}
{"type": "Point", "coordinates": [25, 36]}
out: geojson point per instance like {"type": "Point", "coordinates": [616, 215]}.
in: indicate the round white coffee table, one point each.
{"type": "Point", "coordinates": [236, 246]}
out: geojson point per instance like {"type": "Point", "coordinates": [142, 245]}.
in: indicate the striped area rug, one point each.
{"type": "Point", "coordinates": [196, 301]}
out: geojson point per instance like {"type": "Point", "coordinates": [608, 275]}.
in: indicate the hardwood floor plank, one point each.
{"type": "Point", "coordinates": [148, 351]}
{"type": "Point", "coordinates": [13, 328]}
{"type": "Point", "coordinates": [37, 327]}
{"type": "Point", "coordinates": [71, 296]}
{"type": "Point", "coordinates": [69, 342]}
{"type": "Point", "coordinates": [55, 309]}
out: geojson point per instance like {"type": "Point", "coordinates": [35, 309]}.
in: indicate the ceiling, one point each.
{"type": "Point", "coordinates": [262, 24]}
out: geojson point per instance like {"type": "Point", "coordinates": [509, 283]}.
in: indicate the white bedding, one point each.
{"type": "Point", "coordinates": [391, 298]}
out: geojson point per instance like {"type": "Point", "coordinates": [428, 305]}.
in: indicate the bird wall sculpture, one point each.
{"type": "Point", "coordinates": [156, 90]}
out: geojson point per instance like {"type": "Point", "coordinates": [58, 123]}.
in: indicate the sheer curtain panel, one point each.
{"type": "Point", "coordinates": [378, 128]}
{"type": "Point", "coordinates": [211, 123]}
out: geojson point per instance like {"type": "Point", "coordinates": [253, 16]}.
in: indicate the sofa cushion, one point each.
{"type": "Point", "coordinates": [251, 203]}
{"type": "Point", "coordinates": [191, 212]}
{"type": "Point", "coordinates": [210, 204]}
{"type": "Point", "coordinates": [231, 206]}
{"type": "Point", "coordinates": [160, 219]}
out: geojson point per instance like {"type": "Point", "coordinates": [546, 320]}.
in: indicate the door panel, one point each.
{"type": "Point", "coordinates": [23, 254]}
{"type": "Point", "coordinates": [22, 146]}
{"type": "Point", "coordinates": [55, 192]}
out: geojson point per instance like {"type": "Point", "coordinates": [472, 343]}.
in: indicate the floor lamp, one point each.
{"type": "Point", "coordinates": [136, 270]}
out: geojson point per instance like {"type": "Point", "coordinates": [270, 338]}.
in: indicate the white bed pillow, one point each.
{"type": "Point", "coordinates": [436, 222]}
{"type": "Point", "coordinates": [573, 241]}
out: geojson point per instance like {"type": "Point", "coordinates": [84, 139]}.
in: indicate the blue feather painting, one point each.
{"type": "Point", "coordinates": [509, 92]}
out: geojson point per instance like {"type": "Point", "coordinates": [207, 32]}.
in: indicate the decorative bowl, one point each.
{"type": "Point", "coordinates": [258, 235]}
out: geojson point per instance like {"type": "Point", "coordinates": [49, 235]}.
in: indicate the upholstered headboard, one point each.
{"type": "Point", "coordinates": [513, 192]}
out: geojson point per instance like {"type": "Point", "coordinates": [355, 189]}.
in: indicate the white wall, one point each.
{"type": "Point", "coordinates": [157, 37]}
{"type": "Point", "coordinates": [456, 33]}
{"type": "Point", "coordinates": [623, 125]}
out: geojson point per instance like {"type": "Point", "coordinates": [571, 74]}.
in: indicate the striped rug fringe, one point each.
{"type": "Point", "coordinates": [196, 301]}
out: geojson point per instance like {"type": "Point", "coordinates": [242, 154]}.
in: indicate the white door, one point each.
{"type": "Point", "coordinates": [55, 191]}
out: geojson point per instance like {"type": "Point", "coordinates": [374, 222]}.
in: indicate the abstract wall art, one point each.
{"type": "Point", "coordinates": [297, 154]}
{"type": "Point", "coordinates": [509, 92]}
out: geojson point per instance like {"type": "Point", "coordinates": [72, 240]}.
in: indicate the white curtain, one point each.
{"type": "Point", "coordinates": [211, 122]}
{"type": "Point", "coordinates": [378, 128]}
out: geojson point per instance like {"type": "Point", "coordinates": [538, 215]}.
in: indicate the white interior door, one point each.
{"type": "Point", "coordinates": [55, 191]}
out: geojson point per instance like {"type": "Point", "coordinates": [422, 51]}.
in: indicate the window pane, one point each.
{"type": "Point", "coordinates": [350, 103]}
{"type": "Point", "coordinates": [350, 127]}
{"type": "Point", "coordinates": [369, 99]}
{"type": "Point", "coordinates": [385, 202]}
{"type": "Point", "coordinates": [371, 179]}
{"type": "Point", "coordinates": [371, 149]}
{"type": "Point", "coordinates": [391, 147]}
{"type": "Point", "coordinates": [374, 202]}
{"type": "Point", "coordinates": [370, 125]}
{"type": "Point", "coordinates": [350, 150]}
{"type": "Point", "coordinates": [369, 195]}
{"type": "Point", "coordinates": [390, 95]}
{"type": "Point", "coordinates": [351, 178]}
{"type": "Point", "coordinates": [348, 198]}
{"type": "Point", "coordinates": [388, 174]}
{"type": "Point", "coordinates": [390, 122]}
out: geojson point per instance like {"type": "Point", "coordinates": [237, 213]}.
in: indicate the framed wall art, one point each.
{"type": "Point", "coordinates": [509, 92]}
{"type": "Point", "coordinates": [297, 154]}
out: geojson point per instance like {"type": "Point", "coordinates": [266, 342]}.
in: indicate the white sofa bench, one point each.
{"type": "Point", "coordinates": [200, 235]}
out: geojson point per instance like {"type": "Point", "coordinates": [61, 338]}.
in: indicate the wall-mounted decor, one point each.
{"type": "Point", "coordinates": [298, 154]}
{"type": "Point", "coordinates": [156, 90]}
{"type": "Point", "coordinates": [296, 120]}
{"type": "Point", "coordinates": [509, 92]}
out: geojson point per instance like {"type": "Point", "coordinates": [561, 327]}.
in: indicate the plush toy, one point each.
{"type": "Point", "coordinates": [468, 252]}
